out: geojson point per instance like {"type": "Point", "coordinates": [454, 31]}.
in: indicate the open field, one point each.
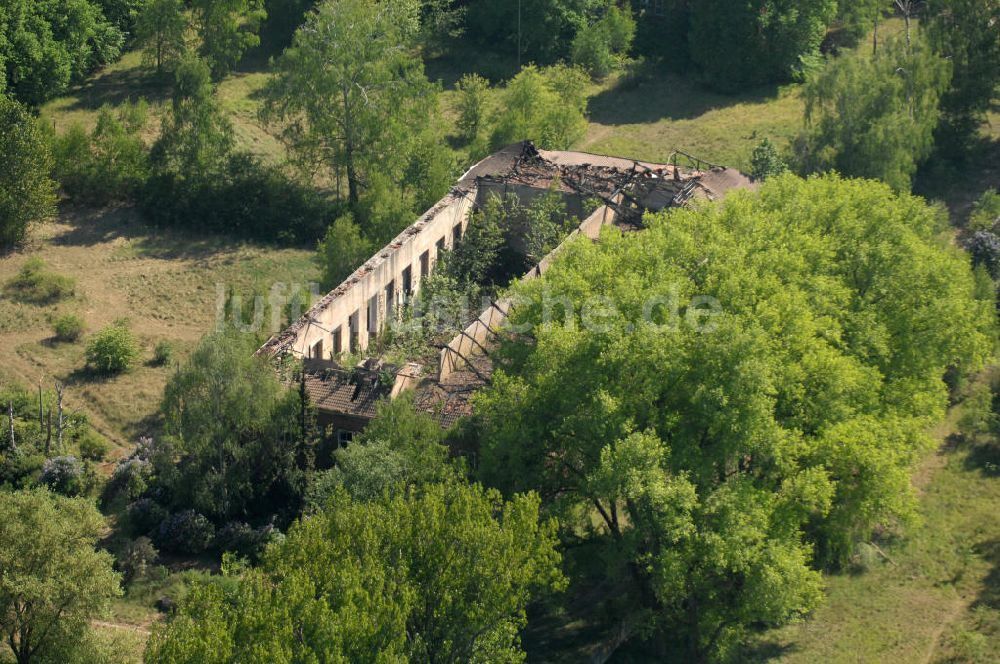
{"type": "Point", "coordinates": [164, 282]}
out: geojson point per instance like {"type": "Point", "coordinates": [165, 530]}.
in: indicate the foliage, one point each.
{"type": "Point", "coordinates": [760, 41]}
{"type": "Point", "coordinates": [342, 250]}
{"type": "Point", "coordinates": [47, 44]}
{"type": "Point", "coordinates": [349, 91]}
{"type": "Point", "coordinates": [965, 33]}
{"type": "Point", "coordinates": [163, 352]}
{"type": "Point", "coordinates": [542, 29]}
{"type": "Point", "coordinates": [985, 214]}
{"type": "Point", "coordinates": [34, 283]}
{"type": "Point", "coordinates": [441, 22]}
{"type": "Point", "coordinates": [984, 247]}
{"type": "Point", "coordinates": [54, 581]}
{"type": "Point", "coordinates": [766, 161]}
{"type": "Point", "coordinates": [227, 29]}
{"type": "Point", "coordinates": [874, 116]}
{"type": "Point", "coordinates": [135, 559]}
{"type": "Point", "coordinates": [68, 327]}
{"type": "Point", "coordinates": [65, 475]}
{"type": "Point", "coordinates": [27, 194]}
{"type": "Point", "coordinates": [400, 448]}
{"type": "Point", "coordinates": [111, 164]}
{"type": "Point", "coordinates": [472, 105]}
{"type": "Point", "coordinates": [858, 17]}
{"type": "Point", "coordinates": [185, 532]}
{"type": "Point", "coordinates": [597, 46]}
{"type": "Point", "coordinates": [748, 388]}
{"type": "Point", "coordinates": [112, 350]}
{"type": "Point", "coordinates": [441, 573]}
{"type": "Point", "coordinates": [238, 433]}
{"type": "Point", "coordinates": [547, 106]}
{"type": "Point", "coordinates": [93, 446]}
{"type": "Point", "coordinates": [161, 29]}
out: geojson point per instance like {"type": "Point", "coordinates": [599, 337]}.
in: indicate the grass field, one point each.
{"type": "Point", "coordinates": [164, 282]}
{"type": "Point", "coordinates": [936, 597]}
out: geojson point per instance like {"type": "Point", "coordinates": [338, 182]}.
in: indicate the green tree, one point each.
{"type": "Point", "coordinates": [538, 31]}
{"type": "Point", "coordinates": [874, 116]}
{"type": "Point", "coordinates": [859, 17]}
{"type": "Point", "coordinates": [47, 44]}
{"type": "Point", "coordinates": [350, 90]}
{"type": "Point", "coordinates": [739, 388]}
{"type": "Point", "coordinates": [227, 29]}
{"type": "Point", "coordinates": [598, 44]}
{"type": "Point", "coordinates": [966, 33]}
{"type": "Point", "coordinates": [243, 439]}
{"type": "Point", "coordinates": [196, 140]}
{"type": "Point", "coordinates": [766, 161]}
{"type": "Point", "coordinates": [442, 574]}
{"type": "Point", "coordinates": [472, 105]}
{"type": "Point", "coordinates": [27, 193]}
{"type": "Point", "coordinates": [161, 29]}
{"type": "Point", "coordinates": [738, 45]}
{"type": "Point", "coordinates": [547, 106]}
{"type": "Point", "coordinates": [342, 250]}
{"type": "Point", "coordinates": [400, 448]}
{"type": "Point", "coordinates": [54, 582]}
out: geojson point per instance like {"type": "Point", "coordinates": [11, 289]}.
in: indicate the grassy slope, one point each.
{"type": "Point", "coordinates": [940, 584]}
{"type": "Point", "coordinates": [163, 281]}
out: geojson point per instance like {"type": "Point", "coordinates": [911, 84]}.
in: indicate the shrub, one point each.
{"type": "Point", "coordinates": [37, 285]}
{"type": "Point", "coordinates": [68, 327]}
{"type": "Point", "coordinates": [186, 532]}
{"type": "Point", "coordinates": [984, 246]}
{"type": "Point", "coordinates": [163, 352]}
{"type": "Point", "coordinates": [93, 446]}
{"type": "Point", "coordinates": [592, 50]}
{"type": "Point", "coordinates": [144, 516]}
{"type": "Point", "coordinates": [342, 250]}
{"type": "Point", "coordinates": [474, 91]}
{"type": "Point", "coordinates": [986, 214]}
{"type": "Point", "coordinates": [766, 161]}
{"type": "Point", "coordinates": [65, 475]}
{"type": "Point", "coordinates": [112, 350]}
{"type": "Point", "coordinates": [242, 539]}
{"type": "Point", "coordinates": [136, 557]}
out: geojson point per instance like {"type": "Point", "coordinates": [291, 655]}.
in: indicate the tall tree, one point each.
{"type": "Point", "coordinates": [227, 29]}
{"type": "Point", "coordinates": [442, 574]}
{"type": "Point", "coordinates": [874, 116]}
{"type": "Point", "coordinates": [351, 90]}
{"type": "Point", "coordinates": [47, 44]}
{"type": "Point", "coordinates": [967, 33]}
{"type": "Point", "coordinates": [161, 29]}
{"type": "Point", "coordinates": [733, 391]}
{"type": "Point", "coordinates": [738, 45]}
{"type": "Point", "coordinates": [54, 582]}
{"type": "Point", "coordinates": [27, 193]}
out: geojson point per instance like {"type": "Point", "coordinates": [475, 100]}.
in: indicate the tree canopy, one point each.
{"type": "Point", "coordinates": [443, 573]}
{"type": "Point", "coordinates": [54, 582]}
{"type": "Point", "coordinates": [27, 193]}
{"type": "Point", "coordinates": [350, 90]}
{"type": "Point", "coordinates": [742, 390]}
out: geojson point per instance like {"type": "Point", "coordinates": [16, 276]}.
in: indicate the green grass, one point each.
{"type": "Point", "coordinates": [165, 282]}
{"type": "Point", "coordinates": [940, 583]}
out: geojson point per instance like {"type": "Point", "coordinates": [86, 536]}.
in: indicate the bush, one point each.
{"type": "Point", "coordinates": [144, 516]}
{"type": "Point", "coordinates": [93, 446]}
{"type": "Point", "coordinates": [112, 350]}
{"type": "Point", "coordinates": [342, 250]}
{"type": "Point", "coordinates": [110, 164]}
{"type": "Point", "coordinates": [984, 246]}
{"type": "Point", "coordinates": [186, 532]}
{"type": "Point", "coordinates": [68, 327]}
{"type": "Point", "coordinates": [474, 91]}
{"type": "Point", "coordinates": [239, 538]}
{"type": "Point", "coordinates": [986, 214]}
{"type": "Point", "coordinates": [766, 161]}
{"type": "Point", "coordinates": [37, 285]}
{"type": "Point", "coordinates": [65, 475]}
{"type": "Point", "coordinates": [163, 352]}
{"type": "Point", "coordinates": [136, 558]}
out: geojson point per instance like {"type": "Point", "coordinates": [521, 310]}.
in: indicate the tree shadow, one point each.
{"type": "Point", "coordinates": [645, 96]}
{"type": "Point", "coordinates": [990, 594]}
{"type": "Point", "coordinates": [984, 456]}
{"type": "Point", "coordinates": [91, 226]}
{"type": "Point", "coordinates": [113, 88]}
{"type": "Point", "coordinates": [959, 184]}
{"type": "Point", "coordinates": [467, 58]}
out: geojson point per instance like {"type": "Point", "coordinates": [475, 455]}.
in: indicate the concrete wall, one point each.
{"type": "Point", "coordinates": [367, 287]}
{"type": "Point", "coordinates": [474, 338]}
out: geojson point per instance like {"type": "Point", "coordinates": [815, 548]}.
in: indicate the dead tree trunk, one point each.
{"type": "Point", "coordinates": [10, 415]}
{"type": "Point", "coordinates": [41, 414]}
{"type": "Point", "coordinates": [48, 437]}
{"type": "Point", "coordinates": [60, 422]}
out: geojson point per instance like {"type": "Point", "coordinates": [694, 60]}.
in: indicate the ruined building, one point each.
{"type": "Point", "coordinates": [353, 314]}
